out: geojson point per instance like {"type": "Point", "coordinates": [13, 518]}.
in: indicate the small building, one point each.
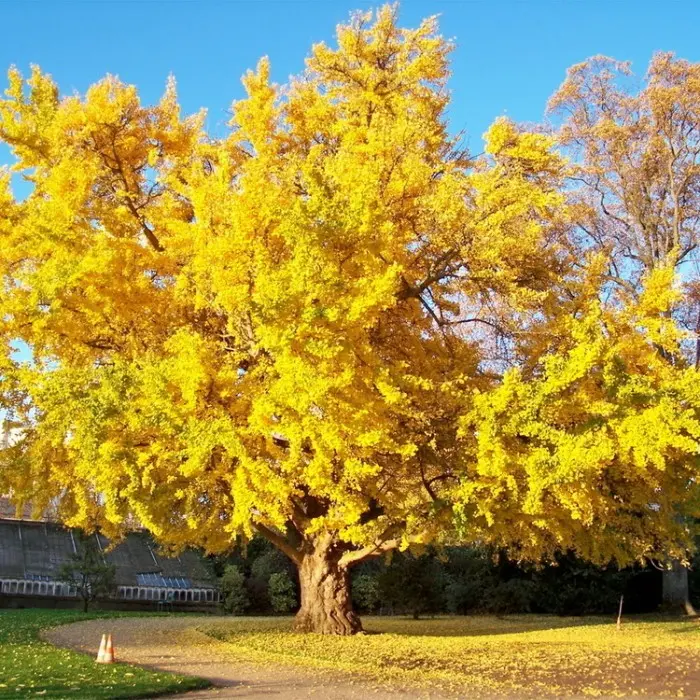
{"type": "Point", "coordinates": [32, 551]}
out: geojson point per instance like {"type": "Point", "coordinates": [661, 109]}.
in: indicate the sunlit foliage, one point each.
{"type": "Point", "coordinates": [332, 326]}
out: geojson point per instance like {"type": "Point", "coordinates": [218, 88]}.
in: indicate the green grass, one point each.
{"type": "Point", "coordinates": [521, 656]}
{"type": "Point", "coordinates": [30, 667]}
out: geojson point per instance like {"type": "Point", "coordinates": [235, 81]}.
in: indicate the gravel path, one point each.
{"type": "Point", "coordinates": [171, 644]}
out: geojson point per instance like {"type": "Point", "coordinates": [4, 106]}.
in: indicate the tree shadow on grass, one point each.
{"type": "Point", "coordinates": [689, 624]}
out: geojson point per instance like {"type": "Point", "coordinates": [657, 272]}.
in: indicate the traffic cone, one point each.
{"type": "Point", "coordinates": [109, 651]}
{"type": "Point", "coordinates": [101, 653]}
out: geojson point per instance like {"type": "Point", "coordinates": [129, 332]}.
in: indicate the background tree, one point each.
{"type": "Point", "coordinates": [366, 595]}
{"type": "Point", "coordinates": [332, 327]}
{"type": "Point", "coordinates": [636, 194]}
{"type": "Point", "coordinates": [474, 579]}
{"type": "Point", "coordinates": [414, 584]}
{"type": "Point", "coordinates": [637, 164]}
{"type": "Point", "coordinates": [234, 595]}
{"type": "Point", "coordinates": [281, 591]}
{"type": "Point", "coordinates": [262, 568]}
{"type": "Point", "coordinates": [88, 572]}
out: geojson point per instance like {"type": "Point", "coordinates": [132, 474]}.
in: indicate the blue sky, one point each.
{"type": "Point", "coordinates": [510, 55]}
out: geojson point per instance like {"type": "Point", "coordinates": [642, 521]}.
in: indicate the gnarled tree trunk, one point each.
{"type": "Point", "coordinates": [326, 606]}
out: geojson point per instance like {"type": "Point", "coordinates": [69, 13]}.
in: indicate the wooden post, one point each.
{"type": "Point", "coordinates": [619, 614]}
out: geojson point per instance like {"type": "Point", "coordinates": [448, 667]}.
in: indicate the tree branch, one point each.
{"type": "Point", "coordinates": [475, 320]}
{"type": "Point", "coordinates": [372, 550]}
{"type": "Point", "coordinates": [280, 542]}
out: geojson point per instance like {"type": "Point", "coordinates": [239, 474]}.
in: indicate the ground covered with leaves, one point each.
{"type": "Point", "coordinates": [517, 655]}
{"type": "Point", "coordinates": [30, 667]}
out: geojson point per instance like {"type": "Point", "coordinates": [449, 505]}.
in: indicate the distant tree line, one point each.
{"type": "Point", "coordinates": [458, 580]}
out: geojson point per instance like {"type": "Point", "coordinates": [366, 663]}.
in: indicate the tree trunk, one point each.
{"type": "Point", "coordinates": [326, 606]}
{"type": "Point", "coordinates": [675, 593]}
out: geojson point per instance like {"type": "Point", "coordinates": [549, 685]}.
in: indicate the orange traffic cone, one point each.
{"type": "Point", "coordinates": [101, 653]}
{"type": "Point", "coordinates": [109, 651]}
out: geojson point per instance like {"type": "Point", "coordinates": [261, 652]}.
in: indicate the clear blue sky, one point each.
{"type": "Point", "coordinates": [510, 55]}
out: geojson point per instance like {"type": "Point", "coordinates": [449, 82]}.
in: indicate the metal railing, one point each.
{"type": "Point", "coordinates": [172, 595]}
{"type": "Point", "coordinates": [54, 589]}
{"type": "Point", "coordinates": [20, 586]}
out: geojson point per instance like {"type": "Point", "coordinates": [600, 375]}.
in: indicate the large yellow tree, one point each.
{"type": "Point", "coordinates": [332, 327]}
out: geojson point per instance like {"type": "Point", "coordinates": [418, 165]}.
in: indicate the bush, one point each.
{"type": "Point", "coordinates": [574, 587]}
{"type": "Point", "coordinates": [515, 596]}
{"type": "Point", "coordinates": [413, 584]}
{"type": "Point", "coordinates": [233, 590]}
{"type": "Point", "coordinates": [470, 574]}
{"type": "Point", "coordinates": [578, 599]}
{"type": "Point", "coordinates": [461, 581]}
{"type": "Point", "coordinates": [365, 592]}
{"type": "Point", "coordinates": [88, 572]}
{"type": "Point", "coordinates": [464, 595]}
{"type": "Point", "coordinates": [270, 562]}
{"type": "Point", "coordinates": [262, 568]}
{"type": "Point", "coordinates": [694, 583]}
{"type": "Point", "coordinates": [281, 592]}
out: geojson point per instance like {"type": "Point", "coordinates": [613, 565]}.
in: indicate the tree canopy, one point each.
{"type": "Point", "coordinates": [337, 328]}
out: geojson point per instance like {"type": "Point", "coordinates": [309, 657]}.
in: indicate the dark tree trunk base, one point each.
{"type": "Point", "coordinates": [676, 596]}
{"type": "Point", "coordinates": [326, 606]}
{"type": "Point", "coordinates": [323, 622]}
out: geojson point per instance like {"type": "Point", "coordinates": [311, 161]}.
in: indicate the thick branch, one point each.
{"type": "Point", "coordinates": [372, 550]}
{"type": "Point", "coordinates": [147, 231]}
{"type": "Point", "coordinates": [374, 511]}
{"type": "Point", "coordinates": [280, 542]}
{"type": "Point", "coordinates": [150, 236]}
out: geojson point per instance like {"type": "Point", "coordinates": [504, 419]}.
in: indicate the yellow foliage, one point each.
{"type": "Point", "coordinates": [303, 328]}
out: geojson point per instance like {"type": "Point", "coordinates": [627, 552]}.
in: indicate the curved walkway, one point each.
{"type": "Point", "coordinates": [171, 644]}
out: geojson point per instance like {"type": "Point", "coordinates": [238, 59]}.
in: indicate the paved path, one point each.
{"type": "Point", "coordinates": [171, 644]}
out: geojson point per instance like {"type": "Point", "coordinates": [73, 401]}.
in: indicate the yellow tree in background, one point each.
{"type": "Point", "coordinates": [331, 328]}
{"type": "Point", "coordinates": [635, 187]}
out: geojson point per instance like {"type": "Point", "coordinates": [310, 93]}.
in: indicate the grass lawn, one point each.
{"type": "Point", "coordinates": [30, 667]}
{"type": "Point", "coordinates": [526, 655]}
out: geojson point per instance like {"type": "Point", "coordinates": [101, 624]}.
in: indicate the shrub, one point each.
{"type": "Point", "coordinates": [88, 572]}
{"type": "Point", "coordinates": [514, 596]}
{"type": "Point", "coordinates": [365, 592]}
{"type": "Point", "coordinates": [574, 587]}
{"type": "Point", "coordinates": [464, 595]}
{"type": "Point", "coordinates": [233, 590]}
{"type": "Point", "coordinates": [262, 567]}
{"type": "Point", "coordinates": [470, 574]}
{"type": "Point", "coordinates": [694, 582]}
{"type": "Point", "coordinates": [281, 592]}
{"type": "Point", "coordinates": [413, 584]}
{"type": "Point", "coordinates": [270, 562]}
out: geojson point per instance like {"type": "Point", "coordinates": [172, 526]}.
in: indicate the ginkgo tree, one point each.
{"type": "Point", "coordinates": [635, 176]}
{"type": "Point", "coordinates": [332, 327]}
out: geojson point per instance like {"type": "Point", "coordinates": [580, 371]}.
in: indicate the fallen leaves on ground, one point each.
{"type": "Point", "coordinates": [527, 655]}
